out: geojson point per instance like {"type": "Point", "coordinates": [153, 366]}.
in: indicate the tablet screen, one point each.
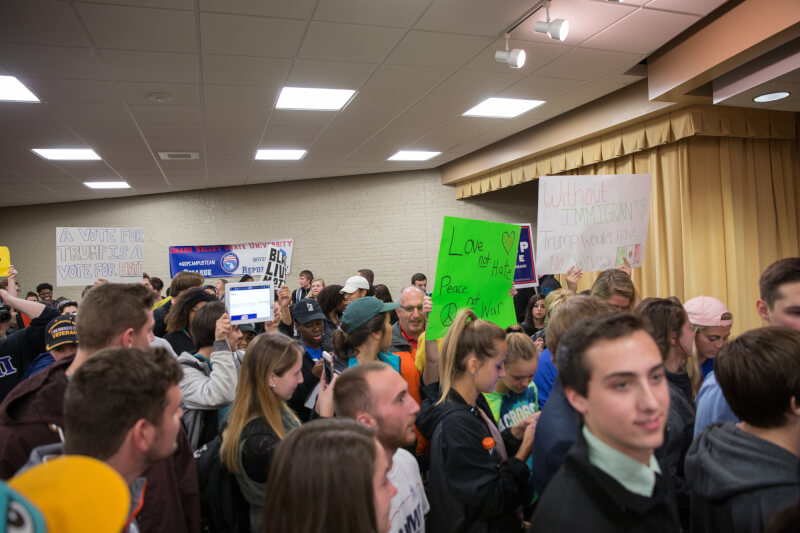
{"type": "Point", "coordinates": [249, 302]}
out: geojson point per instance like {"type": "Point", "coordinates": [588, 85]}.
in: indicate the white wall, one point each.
{"type": "Point", "coordinates": [390, 223]}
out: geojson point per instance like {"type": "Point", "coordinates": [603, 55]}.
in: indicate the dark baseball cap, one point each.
{"type": "Point", "coordinates": [60, 331]}
{"type": "Point", "coordinates": [307, 310]}
{"type": "Point", "coordinates": [359, 312]}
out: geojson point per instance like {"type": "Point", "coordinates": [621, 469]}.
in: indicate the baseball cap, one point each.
{"type": "Point", "coordinates": [70, 494]}
{"type": "Point", "coordinates": [707, 311]}
{"type": "Point", "coordinates": [361, 311]}
{"type": "Point", "coordinates": [354, 283]}
{"type": "Point", "coordinates": [307, 310]}
{"type": "Point", "coordinates": [60, 331]}
{"type": "Point", "coordinates": [247, 328]}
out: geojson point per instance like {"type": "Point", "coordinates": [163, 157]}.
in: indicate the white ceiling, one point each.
{"type": "Point", "coordinates": [417, 66]}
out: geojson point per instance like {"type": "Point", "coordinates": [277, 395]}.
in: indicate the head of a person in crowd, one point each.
{"type": "Point", "coordinates": [248, 334]}
{"type": "Point", "coordinates": [115, 315]}
{"type": "Point", "coordinates": [123, 407]}
{"type": "Point", "coordinates": [210, 289]}
{"type": "Point", "coordinates": [320, 458]}
{"type": "Point", "coordinates": [271, 371]}
{"type": "Point", "coordinates": [615, 287]}
{"type": "Point", "coordinates": [354, 288]}
{"type": "Point", "coordinates": [409, 311]}
{"type": "Point", "coordinates": [305, 278]}
{"type": "Point", "coordinates": [670, 327]}
{"type": "Point", "coordinates": [759, 373]}
{"type": "Point", "coordinates": [331, 300]}
{"type": "Point", "coordinates": [308, 319]}
{"type": "Point", "coordinates": [33, 297]}
{"type": "Point", "coordinates": [367, 274]}
{"type": "Point", "coordinates": [146, 281]}
{"type": "Point", "coordinates": [246, 278]}
{"type": "Point", "coordinates": [420, 281]}
{"type": "Point", "coordinates": [472, 357]}
{"type": "Point", "coordinates": [185, 280]}
{"type": "Point", "coordinates": [779, 286]}
{"type": "Point", "coordinates": [45, 292]}
{"type": "Point", "coordinates": [382, 293]}
{"type": "Point", "coordinates": [535, 311]}
{"type": "Point", "coordinates": [316, 286]}
{"type": "Point", "coordinates": [158, 286]}
{"type": "Point", "coordinates": [569, 313]}
{"type": "Point", "coordinates": [67, 306]}
{"type": "Point", "coordinates": [553, 299]}
{"type": "Point", "coordinates": [377, 396]}
{"type": "Point", "coordinates": [521, 362]}
{"type": "Point", "coordinates": [711, 322]}
{"type": "Point", "coordinates": [204, 326]}
{"type": "Point", "coordinates": [219, 288]}
{"type": "Point", "coordinates": [182, 312]}
{"type": "Point", "coordinates": [364, 327]}
{"type": "Point", "coordinates": [613, 376]}
{"type": "Point", "coordinates": [61, 337]}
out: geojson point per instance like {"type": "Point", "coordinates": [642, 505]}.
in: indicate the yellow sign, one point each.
{"type": "Point", "coordinates": [5, 261]}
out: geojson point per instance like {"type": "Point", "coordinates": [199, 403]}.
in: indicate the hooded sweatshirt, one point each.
{"type": "Point", "coordinates": [737, 480]}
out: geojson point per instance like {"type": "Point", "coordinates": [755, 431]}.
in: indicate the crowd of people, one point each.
{"type": "Point", "coordinates": [598, 411]}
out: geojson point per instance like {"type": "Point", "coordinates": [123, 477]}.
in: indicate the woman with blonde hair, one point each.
{"type": "Point", "coordinates": [711, 322]}
{"type": "Point", "coordinates": [260, 419]}
{"type": "Point", "coordinates": [615, 286]}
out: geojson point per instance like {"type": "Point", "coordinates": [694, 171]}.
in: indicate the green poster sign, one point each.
{"type": "Point", "coordinates": [475, 270]}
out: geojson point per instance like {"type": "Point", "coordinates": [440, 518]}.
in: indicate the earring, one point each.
{"type": "Point", "coordinates": [272, 386]}
{"type": "Point", "coordinates": [475, 374]}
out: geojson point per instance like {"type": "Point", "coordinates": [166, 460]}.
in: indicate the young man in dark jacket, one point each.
{"type": "Point", "coordinates": [741, 474]}
{"type": "Point", "coordinates": [613, 376]}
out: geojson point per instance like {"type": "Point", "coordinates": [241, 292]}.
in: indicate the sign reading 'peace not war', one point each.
{"type": "Point", "coordinates": [475, 270]}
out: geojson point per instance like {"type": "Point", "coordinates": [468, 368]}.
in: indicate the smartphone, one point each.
{"type": "Point", "coordinates": [327, 367]}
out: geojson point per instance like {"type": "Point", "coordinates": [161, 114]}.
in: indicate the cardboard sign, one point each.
{"type": "Point", "coordinates": [592, 222]}
{"type": "Point", "coordinates": [85, 254]}
{"type": "Point", "coordinates": [5, 261]}
{"type": "Point", "coordinates": [525, 273]}
{"type": "Point", "coordinates": [258, 259]}
{"type": "Point", "coordinates": [475, 270]}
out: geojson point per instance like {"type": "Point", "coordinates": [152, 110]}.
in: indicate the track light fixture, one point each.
{"type": "Point", "coordinates": [515, 57]}
{"type": "Point", "coordinates": [557, 29]}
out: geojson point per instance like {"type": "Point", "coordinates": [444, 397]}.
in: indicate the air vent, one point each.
{"type": "Point", "coordinates": [178, 155]}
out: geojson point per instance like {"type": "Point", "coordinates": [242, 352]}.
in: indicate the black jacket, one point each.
{"type": "Point", "coordinates": [301, 393]}
{"type": "Point", "coordinates": [582, 498]}
{"type": "Point", "coordinates": [160, 317]}
{"type": "Point", "coordinates": [18, 350]}
{"type": "Point", "coordinates": [556, 432]}
{"type": "Point", "coordinates": [470, 489]}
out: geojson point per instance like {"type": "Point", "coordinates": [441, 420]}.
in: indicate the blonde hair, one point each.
{"type": "Point", "coordinates": [615, 281]}
{"type": "Point", "coordinates": [553, 300]}
{"type": "Point", "coordinates": [267, 354]}
{"type": "Point", "coordinates": [520, 347]}
{"type": "Point", "coordinates": [468, 336]}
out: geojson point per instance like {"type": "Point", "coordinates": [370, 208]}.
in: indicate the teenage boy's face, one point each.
{"type": "Point", "coordinates": [627, 399]}
{"type": "Point", "coordinates": [786, 309]}
{"type": "Point", "coordinates": [311, 333]}
{"type": "Point", "coordinates": [305, 282]}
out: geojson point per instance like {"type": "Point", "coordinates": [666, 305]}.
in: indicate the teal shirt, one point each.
{"type": "Point", "coordinates": [388, 358]}
{"type": "Point", "coordinates": [634, 476]}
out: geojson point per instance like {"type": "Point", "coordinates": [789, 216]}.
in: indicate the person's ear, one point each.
{"type": "Point", "coordinates": [794, 406]}
{"type": "Point", "coordinates": [673, 338]}
{"type": "Point", "coordinates": [142, 435]}
{"type": "Point", "coordinates": [473, 365]}
{"type": "Point", "coordinates": [763, 310]}
{"type": "Point", "coordinates": [126, 338]}
{"type": "Point", "coordinates": [366, 419]}
{"type": "Point", "coordinates": [576, 400]}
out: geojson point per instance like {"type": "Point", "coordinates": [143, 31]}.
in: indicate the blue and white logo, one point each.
{"type": "Point", "coordinates": [229, 262]}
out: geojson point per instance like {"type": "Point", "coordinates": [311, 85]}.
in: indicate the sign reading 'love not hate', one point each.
{"type": "Point", "coordinates": [475, 270]}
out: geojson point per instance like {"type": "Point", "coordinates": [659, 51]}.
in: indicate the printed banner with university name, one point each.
{"type": "Point", "coordinates": [525, 273]}
{"type": "Point", "coordinates": [594, 222]}
{"type": "Point", "coordinates": [269, 260]}
{"type": "Point", "coordinates": [85, 254]}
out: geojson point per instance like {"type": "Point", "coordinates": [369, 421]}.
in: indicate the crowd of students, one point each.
{"type": "Point", "coordinates": [598, 411]}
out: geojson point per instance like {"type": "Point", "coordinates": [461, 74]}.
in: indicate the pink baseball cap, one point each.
{"type": "Point", "coordinates": [707, 311]}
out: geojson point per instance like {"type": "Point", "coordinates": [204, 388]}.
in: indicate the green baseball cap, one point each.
{"type": "Point", "coordinates": [359, 312]}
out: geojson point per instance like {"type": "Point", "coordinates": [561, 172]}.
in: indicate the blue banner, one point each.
{"type": "Point", "coordinates": [525, 273]}
{"type": "Point", "coordinates": [262, 260]}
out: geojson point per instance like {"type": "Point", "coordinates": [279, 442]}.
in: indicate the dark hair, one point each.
{"type": "Point", "coordinates": [569, 313]}
{"type": "Point", "coordinates": [367, 274]}
{"type": "Point", "coordinates": [146, 276]}
{"type": "Point", "coordinates": [306, 274]}
{"type": "Point", "coordinates": [204, 325]}
{"type": "Point", "coordinates": [329, 298]}
{"type": "Point", "coordinates": [419, 276]}
{"type": "Point", "coordinates": [759, 373]}
{"type": "Point", "coordinates": [177, 318]}
{"type": "Point", "coordinates": [346, 345]}
{"type": "Point", "coordinates": [573, 370]}
{"type": "Point", "coordinates": [528, 322]}
{"type": "Point", "coordinates": [111, 308]}
{"type": "Point", "coordinates": [185, 280]}
{"type": "Point", "coordinates": [110, 392]}
{"type": "Point", "coordinates": [782, 271]}
{"type": "Point", "coordinates": [352, 393]}
{"type": "Point", "coordinates": [42, 286]}
{"type": "Point", "coordinates": [157, 284]}
{"type": "Point", "coordinates": [320, 458]}
{"type": "Point", "coordinates": [665, 316]}
{"type": "Point", "coordinates": [31, 293]}
{"type": "Point", "coordinates": [382, 293]}
{"type": "Point", "coordinates": [66, 303]}
{"type": "Point", "coordinates": [246, 277]}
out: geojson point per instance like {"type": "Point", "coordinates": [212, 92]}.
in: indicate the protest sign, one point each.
{"type": "Point", "coordinates": [592, 222]}
{"type": "Point", "coordinates": [475, 270]}
{"type": "Point", "coordinates": [5, 260]}
{"type": "Point", "coordinates": [525, 273]}
{"type": "Point", "coordinates": [85, 254]}
{"type": "Point", "coordinates": [262, 260]}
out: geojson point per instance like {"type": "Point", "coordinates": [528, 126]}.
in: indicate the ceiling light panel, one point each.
{"type": "Point", "coordinates": [313, 99]}
{"type": "Point", "coordinates": [413, 155]}
{"type": "Point", "coordinates": [771, 97]}
{"type": "Point", "coordinates": [107, 184]}
{"type": "Point", "coordinates": [67, 154]}
{"type": "Point", "coordinates": [279, 155]}
{"type": "Point", "coordinates": [503, 107]}
{"type": "Point", "coordinates": [12, 90]}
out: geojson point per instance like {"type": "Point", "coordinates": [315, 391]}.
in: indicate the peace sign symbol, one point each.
{"type": "Point", "coordinates": [448, 314]}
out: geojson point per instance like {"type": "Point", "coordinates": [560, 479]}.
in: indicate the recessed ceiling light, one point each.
{"type": "Point", "coordinates": [502, 107]}
{"type": "Point", "coordinates": [413, 155]}
{"type": "Point", "coordinates": [280, 155]}
{"type": "Point", "coordinates": [67, 154]}
{"type": "Point", "coordinates": [313, 99]}
{"type": "Point", "coordinates": [12, 90]}
{"type": "Point", "coordinates": [107, 184]}
{"type": "Point", "coordinates": [771, 97]}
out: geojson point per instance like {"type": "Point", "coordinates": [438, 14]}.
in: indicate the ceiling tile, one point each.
{"type": "Point", "coordinates": [160, 67]}
{"type": "Point", "coordinates": [329, 74]}
{"type": "Point", "coordinates": [52, 62]}
{"type": "Point", "coordinates": [429, 49]}
{"type": "Point", "coordinates": [250, 36]}
{"type": "Point", "coordinates": [90, 112]}
{"type": "Point", "coordinates": [587, 64]}
{"type": "Point", "coordinates": [239, 96]}
{"type": "Point", "coordinates": [697, 7]}
{"type": "Point", "coordinates": [586, 18]}
{"type": "Point", "coordinates": [389, 13]}
{"type": "Point", "coordinates": [77, 91]}
{"type": "Point", "coordinates": [162, 4]}
{"type": "Point", "coordinates": [348, 42]}
{"type": "Point", "coordinates": [239, 70]}
{"type": "Point", "coordinates": [167, 114]}
{"type": "Point", "coordinates": [645, 31]}
{"type": "Point", "coordinates": [183, 94]}
{"type": "Point", "coordinates": [537, 55]}
{"type": "Point", "coordinates": [540, 88]}
{"type": "Point", "coordinates": [454, 133]}
{"type": "Point", "coordinates": [299, 9]}
{"type": "Point", "coordinates": [286, 117]}
{"type": "Point", "coordinates": [476, 17]}
{"type": "Point", "coordinates": [41, 22]}
{"type": "Point", "coordinates": [134, 28]}
{"type": "Point", "coordinates": [289, 136]}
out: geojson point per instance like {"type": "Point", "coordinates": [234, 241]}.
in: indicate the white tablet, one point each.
{"type": "Point", "coordinates": [249, 302]}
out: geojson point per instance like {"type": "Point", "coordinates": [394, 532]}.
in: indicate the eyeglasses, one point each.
{"type": "Point", "coordinates": [410, 308]}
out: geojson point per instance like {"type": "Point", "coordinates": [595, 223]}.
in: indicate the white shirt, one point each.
{"type": "Point", "coordinates": [409, 505]}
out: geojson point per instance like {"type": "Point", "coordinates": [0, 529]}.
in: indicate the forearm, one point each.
{"type": "Point", "coordinates": [32, 309]}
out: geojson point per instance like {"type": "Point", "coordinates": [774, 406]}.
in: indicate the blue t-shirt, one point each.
{"type": "Point", "coordinates": [707, 366]}
{"type": "Point", "coordinates": [314, 354]}
{"type": "Point", "coordinates": [711, 405]}
{"type": "Point", "coordinates": [545, 376]}
{"type": "Point", "coordinates": [42, 361]}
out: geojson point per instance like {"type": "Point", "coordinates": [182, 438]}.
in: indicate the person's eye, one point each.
{"type": "Point", "coordinates": [622, 385]}
{"type": "Point", "coordinates": [658, 377]}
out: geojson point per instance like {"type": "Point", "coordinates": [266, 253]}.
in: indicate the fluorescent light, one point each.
{"type": "Point", "coordinates": [314, 99]}
{"type": "Point", "coordinates": [502, 107]}
{"type": "Point", "coordinates": [413, 155]}
{"type": "Point", "coordinates": [771, 97]}
{"type": "Point", "coordinates": [107, 184]}
{"type": "Point", "coordinates": [280, 155]}
{"type": "Point", "coordinates": [67, 154]}
{"type": "Point", "coordinates": [12, 90]}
